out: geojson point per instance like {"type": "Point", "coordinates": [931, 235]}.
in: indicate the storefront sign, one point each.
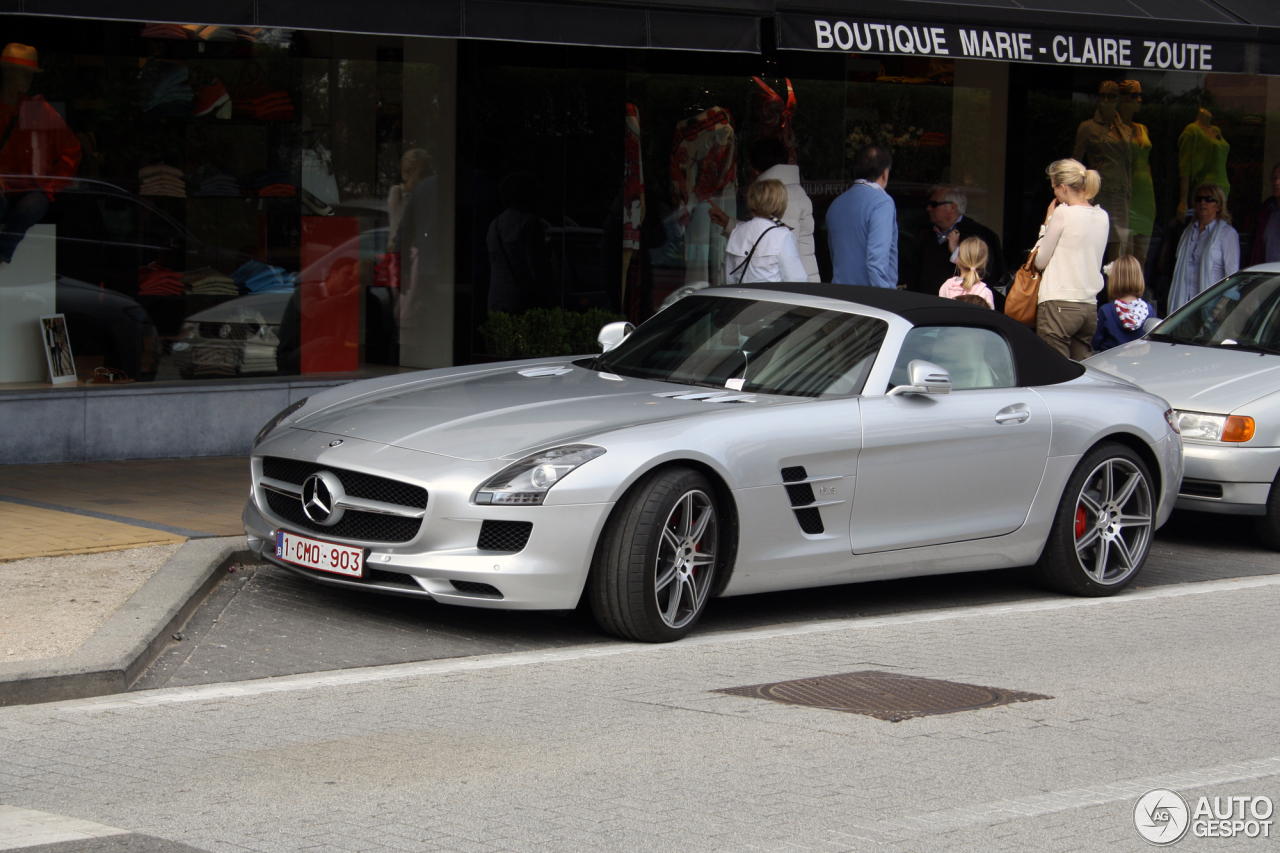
{"type": "Point", "coordinates": [956, 41]}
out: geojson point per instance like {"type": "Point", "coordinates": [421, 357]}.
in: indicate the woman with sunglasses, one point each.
{"type": "Point", "coordinates": [1209, 250]}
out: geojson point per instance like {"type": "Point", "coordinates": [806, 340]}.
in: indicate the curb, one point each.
{"type": "Point", "coordinates": [134, 637]}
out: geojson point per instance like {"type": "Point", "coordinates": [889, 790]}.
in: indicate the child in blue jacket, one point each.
{"type": "Point", "coordinates": [1121, 319]}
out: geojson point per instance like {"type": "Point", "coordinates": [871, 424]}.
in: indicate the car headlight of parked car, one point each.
{"type": "Point", "coordinates": [277, 420]}
{"type": "Point", "coordinates": [1205, 427]}
{"type": "Point", "coordinates": [525, 483]}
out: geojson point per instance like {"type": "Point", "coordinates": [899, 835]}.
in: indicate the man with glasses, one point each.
{"type": "Point", "coordinates": [949, 225]}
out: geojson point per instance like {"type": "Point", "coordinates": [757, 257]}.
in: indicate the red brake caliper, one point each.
{"type": "Point", "coordinates": [1081, 521]}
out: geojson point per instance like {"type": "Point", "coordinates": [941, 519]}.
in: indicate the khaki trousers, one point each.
{"type": "Point", "coordinates": [1068, 327]}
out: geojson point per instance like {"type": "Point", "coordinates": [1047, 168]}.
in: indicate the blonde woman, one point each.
{"type": "Point", "coordinates": [1120, 320]}
{"type": "Point", "coordinates": [414, 166]}
{"type": "Point", "coordinates": [1072, 245]}
{"type": "Point", "coordinates": [971, 266]}
{"type": "Point", "coordinates": [1209, 250]}
{"type": "Point", "coordinates": [764, 249]}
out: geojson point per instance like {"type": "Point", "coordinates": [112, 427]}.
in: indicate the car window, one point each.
{"type": "Point", "coordinates": [749, 345]}
{"type": "Point", "coordinates": [1241, 312]}
{"type": "Point", "coordinates": [975, 358]}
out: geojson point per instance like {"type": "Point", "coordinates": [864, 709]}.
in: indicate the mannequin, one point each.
{"type": "Point", "coordinates": [39, 152]}
{"type": "Point", "coordinates": [1104, 143]}
{"type": "Point", "coordinates": [1202, 158]}
{"type": "Point", "coordinates": [704, 168]}
{"type": "Point", "coordinates": [1142, 203]}
{"type": "Point", "coordinates": [632, 196]}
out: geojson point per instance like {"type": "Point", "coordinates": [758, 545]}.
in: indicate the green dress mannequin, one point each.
{"type": "Point", "coordinates": [1202, 157]}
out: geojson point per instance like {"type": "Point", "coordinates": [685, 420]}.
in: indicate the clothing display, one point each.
{"type": "Point", "coordinates": [165, 31]}
{"type": "Point", "coordinates": [215, 361]}
{"type": "Point", "coordinates": [704, 168]}
{"type": "Point", "coordinates": [258, 358]}
{"type": "Point", "coordinates": [777, 115]}
{"type": "Point", "coordinates": [209, 180]}
{"type": "Point", "coordinates": [1105, 144]}
{"type": "Point", "coordinates": [209, 98]}
{"type": "Point", "coordinates": [1202, 157]}
{"type": "Point", "coordinates": [208, 281]}
{"type": "Point", "coordinates": [274, 184]}
{"type": "Point", "coordinates": [632, 182]}
{"type": "Point", "coordinates": [156, 280]}
{"type": "Point", "coordinates": [258, 277]}
{"type": "Point", "coordinates": [162, 180]}
{"type": "Point", "coordinates": [41, 152]}
{"type": "Point", "coordinates": [274, 105]}
{"type": "Point", "coordinates": [165, 90]}
{"type": "Point", "coordinates": [1142, 204]}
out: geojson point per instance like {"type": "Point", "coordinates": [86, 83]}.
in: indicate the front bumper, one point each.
{"type": "Point", "coordinates": [1227, 479]}
{"type": "Point", "coordinates": [548, 574]}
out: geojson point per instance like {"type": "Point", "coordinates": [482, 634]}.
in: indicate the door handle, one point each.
{"type": "Point", "coordinates": [1014, 417]}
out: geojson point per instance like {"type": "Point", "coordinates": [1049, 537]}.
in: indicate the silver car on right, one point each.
{"type": "Point", "coordinates": [1216, 360]}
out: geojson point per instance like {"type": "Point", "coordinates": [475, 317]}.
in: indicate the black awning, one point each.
{"type": "Point", "coordinates": [1194, 35]}
{"type": "Point", "coordinates": [711, 25]}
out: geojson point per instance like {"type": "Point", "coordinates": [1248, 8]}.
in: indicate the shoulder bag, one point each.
{"type": "Point", "coordinates": [1020, 303]}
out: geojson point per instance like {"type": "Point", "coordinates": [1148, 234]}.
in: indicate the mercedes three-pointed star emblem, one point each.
{"type": "Point", "coordinates": [321, 496]}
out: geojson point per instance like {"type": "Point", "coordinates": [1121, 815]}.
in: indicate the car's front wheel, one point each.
{"type": "Point", "coordinates": [1103, 528]}
{"type": "Point", "coordinates": [656, 561]}
{"type": "Point", "coordinates": [1268, 525]}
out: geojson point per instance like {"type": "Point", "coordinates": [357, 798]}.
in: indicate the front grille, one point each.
{"type": "Point", "coordinates": [810, 521]}
{"type": "Point", "coordinates": [504, 535]}
{"type": "Point", "coordinates": [364, 526]}
{"type": "Point", "coordinates": [1200, 489]}
{"type": "Point", "coordinates": [472, 588]}
{"type": "Point", "coordinates": [354, 483]}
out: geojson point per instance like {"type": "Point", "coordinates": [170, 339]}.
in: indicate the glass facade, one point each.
{"type": "Point", "coordinates": [214, 203]}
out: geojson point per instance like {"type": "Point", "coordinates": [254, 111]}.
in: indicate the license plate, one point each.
{"type": "Point", "coordinates": [322, 556]}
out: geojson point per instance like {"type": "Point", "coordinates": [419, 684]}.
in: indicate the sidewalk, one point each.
{"type": "Point", "coordinates": [85, 508]}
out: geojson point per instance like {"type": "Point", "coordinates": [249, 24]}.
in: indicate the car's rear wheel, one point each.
{"type": "Point", "coordinates": [1103, 528]}
{"type": "Point", "coordinates": [656, 561]}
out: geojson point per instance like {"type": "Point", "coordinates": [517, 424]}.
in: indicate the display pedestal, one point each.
{"type": "Point", "coordinates": [27, 291]}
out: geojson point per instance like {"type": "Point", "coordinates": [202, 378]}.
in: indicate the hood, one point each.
{"type": "Point", "coordinates": [1193, 378]}
{"type": "Point", "coordinates": [503, 413]}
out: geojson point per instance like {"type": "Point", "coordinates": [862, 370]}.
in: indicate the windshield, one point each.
{"type": "Point", "coordinates": [1241, 312]}
{"type": "Point", "coordinates": [746, 345]}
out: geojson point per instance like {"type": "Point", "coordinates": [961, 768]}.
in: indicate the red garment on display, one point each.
{"type": "Point", "coordinates": [278, 190]}
{"type": "Point", "coordinates": [632, 182]}
{"type": "Point", "coordinates": [156, 280]}
{"type": "Point", "coordinates": [704, 167]}
{"type": "Point", "coordinates": [776, 115]}
{"type": "Point", "coordinates": [41, 153]}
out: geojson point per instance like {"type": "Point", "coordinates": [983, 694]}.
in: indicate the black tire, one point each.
{"type": "Point", "coordinates": [1088, 524]}
{"type": "Point", "coordinates": [623, 586]}
{"type": "Point", "coordinates": [1268, 526]}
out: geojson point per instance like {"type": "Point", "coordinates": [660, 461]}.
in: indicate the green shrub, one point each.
{"type": "Point", "coordinates": [544, 332]}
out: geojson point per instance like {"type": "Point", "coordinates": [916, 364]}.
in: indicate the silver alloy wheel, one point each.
{"type": "Point", "coordinates": [686, 558]}
{"type": "Point", "coordinates": [1113, 521]}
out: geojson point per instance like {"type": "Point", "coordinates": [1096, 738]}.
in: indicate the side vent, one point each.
{"type": "Point", "coordinates": [504, 535]}
{"type": "Point", "coordinates": [477, 589]}
{"type": "Point", "coordinates": [800, 493]}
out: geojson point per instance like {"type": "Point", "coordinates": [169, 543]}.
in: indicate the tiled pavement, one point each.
{"type": "Point", "coordinates": [79, 508]}
{"type": "Point", "coordinates": [627, 747]}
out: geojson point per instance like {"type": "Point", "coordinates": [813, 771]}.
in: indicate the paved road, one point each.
{"type": "Point", "coordinates": [618, 746]}
{"type": "Point", "coordinates": [264, 621]}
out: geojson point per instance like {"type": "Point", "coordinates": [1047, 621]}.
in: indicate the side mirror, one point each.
{"type": "Point", "coordinates": [1150, 325]}
{"type": "Point", "coordinates": [924, 377]}
{"type": "Point", "coordinates": [613, 334]}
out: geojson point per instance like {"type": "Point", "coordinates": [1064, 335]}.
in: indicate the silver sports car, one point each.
{"type": "Point", "coordinates": [740, 441]}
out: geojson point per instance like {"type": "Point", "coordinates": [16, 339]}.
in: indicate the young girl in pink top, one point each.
{"type": "Point", "coordinates": [971, 263]}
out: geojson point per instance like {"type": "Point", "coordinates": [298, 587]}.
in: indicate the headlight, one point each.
{"type": "Point", "coordinates": [525, 483]}
{"type": "Point", "coordinates": [277, 420]}
{"type": "Point", "coordinates": [1197, 425]}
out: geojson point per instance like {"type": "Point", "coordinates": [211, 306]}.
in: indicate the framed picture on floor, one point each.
{"type": "Point", "coordinates": [57, 348]}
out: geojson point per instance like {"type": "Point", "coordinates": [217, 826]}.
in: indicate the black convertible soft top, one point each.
{"type": "Point", "coordinates": [1037, 363]}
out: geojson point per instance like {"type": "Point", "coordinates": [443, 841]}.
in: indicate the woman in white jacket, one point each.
{"type": "Point", "coordinates": [764, 249]}
{"type": "Point", "coordinates": [768, 156]}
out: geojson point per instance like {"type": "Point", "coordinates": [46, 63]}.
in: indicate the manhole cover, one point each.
{"type": "Point", "coordinates": [885, 695]}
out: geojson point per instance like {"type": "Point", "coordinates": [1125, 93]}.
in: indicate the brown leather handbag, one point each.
{"type": "Point", "coordinates": [1020, 303]}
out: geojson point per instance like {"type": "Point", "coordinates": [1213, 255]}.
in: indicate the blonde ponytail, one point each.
{"type": "Point", "coordinates": [971, 262]}
{"type": "Point", "coordinates": [1092, 183]}
{"type": "Point", "coordinates": [1073, 174]}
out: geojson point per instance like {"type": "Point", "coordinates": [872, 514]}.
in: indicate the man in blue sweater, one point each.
{"type": "Point", "coordinates": [862, 224]}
